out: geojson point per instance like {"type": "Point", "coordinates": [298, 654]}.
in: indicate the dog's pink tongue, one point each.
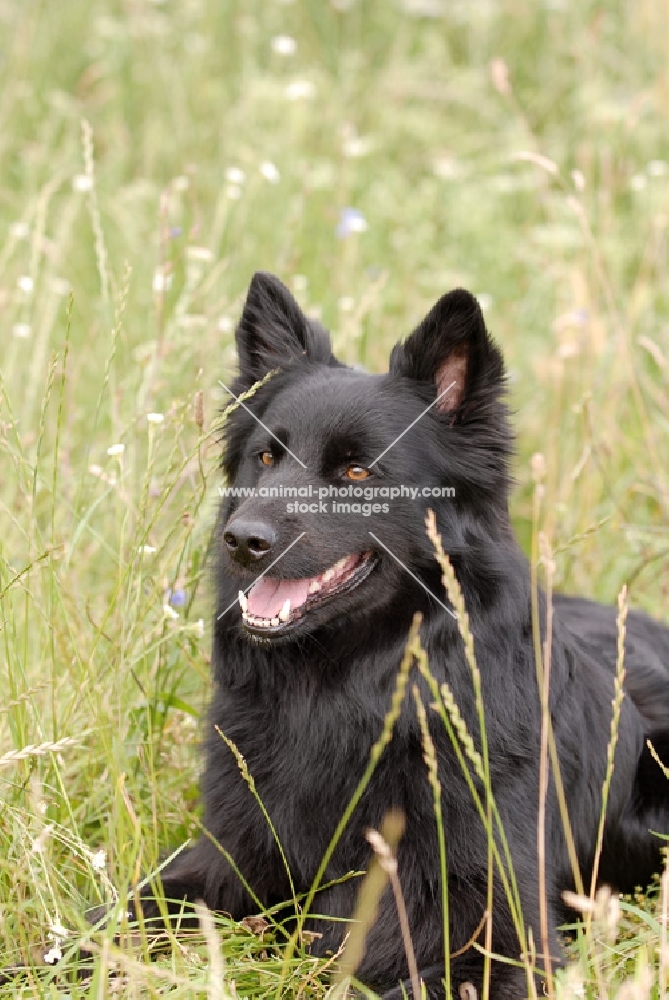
{"type": "Point", "coordinates": [267, 597]}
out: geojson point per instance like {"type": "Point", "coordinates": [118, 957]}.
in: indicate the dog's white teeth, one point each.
{"type": "Point", "coordinates": [285, 611]}
{"type": "Point", "coordinates": [341, 563]}
{"type": "Point", "coordinates": [243, 603]}
{"type": "Point", "coordinates": [263, 622]}
{"type": "Point", "coordinates": [327, 575]}
{"type": "Point", "coordinates": [314, 587]}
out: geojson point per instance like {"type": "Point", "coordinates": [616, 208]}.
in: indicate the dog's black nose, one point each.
{"type": "Point", "coordinates": [248, 541]}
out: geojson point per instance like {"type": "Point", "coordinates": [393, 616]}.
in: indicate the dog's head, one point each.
{"type": "Point", "coordinates": [330, 471]}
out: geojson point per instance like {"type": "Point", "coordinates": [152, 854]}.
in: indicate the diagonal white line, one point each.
{"type": "Point", "coordinates": [255, 417]}
{"type": "Point", "coordinates": [413, 575]}
{"type": "Point", "coordinates": [419, 417]}
{"type": "Point", "coordinates": [261, 575]}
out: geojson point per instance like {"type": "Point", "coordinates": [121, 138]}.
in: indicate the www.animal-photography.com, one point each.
{"type": "Point", "coordinates": [334, 564]}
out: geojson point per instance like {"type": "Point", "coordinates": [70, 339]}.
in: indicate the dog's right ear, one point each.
{"type": "Point", "coordinates": [452, 350]}
{"type": "Point", "coordinates": [274, 332]}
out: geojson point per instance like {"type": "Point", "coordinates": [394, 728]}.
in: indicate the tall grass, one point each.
{"type": "Point", "coordinates": [152, 155]}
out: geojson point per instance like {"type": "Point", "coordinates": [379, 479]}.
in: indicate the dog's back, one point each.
{"type": "Point", "coordinates": [646, 651]}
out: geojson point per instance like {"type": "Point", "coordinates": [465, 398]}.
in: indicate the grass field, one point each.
{"type": "Point", "coordinates": [373, 154]}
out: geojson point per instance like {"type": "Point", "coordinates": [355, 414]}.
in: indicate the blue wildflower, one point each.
{"type": "Point", "coordinates": [177, 598]}
{"type": "Point", "coordinates": [351, 220]}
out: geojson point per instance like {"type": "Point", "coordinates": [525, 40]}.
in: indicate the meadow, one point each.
{"type": "Point", "coordinates": [374, 154]}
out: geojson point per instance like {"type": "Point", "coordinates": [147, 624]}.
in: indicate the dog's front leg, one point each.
{"type": "Point", "coordinates": [198, 874]}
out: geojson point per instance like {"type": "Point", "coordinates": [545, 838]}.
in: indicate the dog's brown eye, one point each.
{"type": "Point", "coordinates": [356, 473]}
{"type": "Point", "coordinates": [267, 458]}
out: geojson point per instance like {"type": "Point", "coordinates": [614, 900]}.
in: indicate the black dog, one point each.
{"type": "Point", "coordinates": [304, 669]}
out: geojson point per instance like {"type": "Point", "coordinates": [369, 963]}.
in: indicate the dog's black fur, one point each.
{"type": "Point", "coordinates": [305, 702]}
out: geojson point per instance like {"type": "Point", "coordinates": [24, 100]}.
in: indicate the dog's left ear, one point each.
{"type": "Point", "coordinates": [451, 348]}
{"type": "Point", "coordinates": [274, 332]}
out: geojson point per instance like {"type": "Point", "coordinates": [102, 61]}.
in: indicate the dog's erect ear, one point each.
{"type": "Point", "coordinates": [273, 330]}
{"type": "Point", "coordinates": [451, 348]}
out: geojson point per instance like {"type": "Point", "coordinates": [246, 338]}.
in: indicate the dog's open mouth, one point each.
{"type": "Point", "coordinates": [274, 606]}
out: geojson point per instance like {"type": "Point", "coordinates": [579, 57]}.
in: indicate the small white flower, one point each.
{"type": "Point", "coordinates": [181, 183]}
{"type": "Point", "coordinates": [115, 449]}
{"type": "Point", "coordinates": [95, 470]}
{"type": "Point", "coordinates": [57, 930]}
{"type": "Point", "coordinates": [226, 324]}
{"type": "Point", "coordinates": [22, 331]}
{"type": "Point", "coordinates": [300, 283]}
{"type": "Point", "coordinates": [19, 230]}
{"type": "Point", "coordinates": [147, 550]}
{"type": "Point", "coordinates": [300, 90]}
{"type": "Point", "coordinates": [233, 192]}
{"type": "Point", "coordinates": [199, 628]}
{"type": "Point", "coordinates": [354, 147]}
{"type": "Point", "coordinates": [657, 168]}
{"type": "Point", "coordinates": [485, 300]}
{"type": "Point", "coordinates": [82, 182]}
{"type": "Point", "coordinates": [169, 612]}
{"type": "Point", "coordinates": [270, 172]}
{"type": "Point", "coordinates": [53, 955]}
{"type": "Point", "coordinates": [351, 220]}
{"type": "Point", "coordinates": [358, 225]}
{"type": "Point", "coordinates": [39, 843]}
{"type": "Point", "coordinates": [638, 182]}
{"type": "Point", "coordinates": [346, 303]}
{"type": "Point", "coordinates": [60, 286]}
{"type": "Point", "coordinates": [569, 349]}
{"type": "Point", "coordinates": [235, 175]}
{"type": "Point", "coordinates": [578, 179]}
{"type": "Point", "coordinates": [446, 168]}
{"type": "Point", "coordinates": [284, 45]}
{"type": "Point", "coordinates": [26, 283]}
{"type": "Point", "coordinates": [161, 282]}
{"type": "Point", "coordinates": [199, 253]}
{"type": "Point", "coordinates": [99, 861]}
{"type": "Point", "coordinates": [155, 418]}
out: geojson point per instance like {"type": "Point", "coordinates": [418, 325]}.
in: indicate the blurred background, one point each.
{"type": "Point", "coordinates": [374, 154]}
